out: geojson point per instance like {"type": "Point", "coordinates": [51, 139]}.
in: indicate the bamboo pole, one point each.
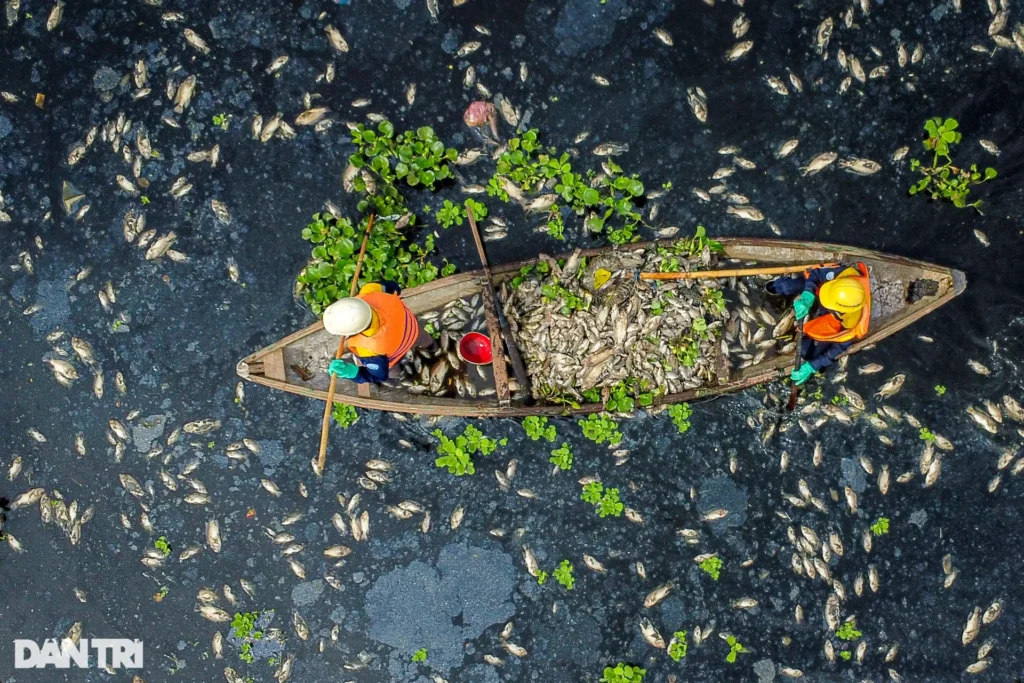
{"type": "Point", "coordinates": [328, 408]}
{"type": "Point", "coordinates": [733, 272]}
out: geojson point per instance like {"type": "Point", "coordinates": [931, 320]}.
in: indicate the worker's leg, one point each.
{"type": "Point", "coordinates": [786, 286]}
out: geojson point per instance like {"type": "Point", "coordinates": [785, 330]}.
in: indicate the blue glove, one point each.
{"type": "Point", "coordinates": [343, 369]}
{"type": "Point", "coordinates": [803, 304]}
{"type": "Point", "coordinates": [802, 374]}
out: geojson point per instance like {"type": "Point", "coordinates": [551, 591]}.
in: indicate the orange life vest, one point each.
{"type": "Point", "coordinates": [827, 328]}
{"type": "Point", "coordinates": [397, 333]}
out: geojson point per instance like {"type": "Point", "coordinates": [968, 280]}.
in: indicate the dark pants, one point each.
{"type": "Point", "coordinates": [816, 352]}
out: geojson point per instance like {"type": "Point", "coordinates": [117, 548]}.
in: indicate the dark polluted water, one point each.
{"type": "Point", "coordinates": [175, 330]}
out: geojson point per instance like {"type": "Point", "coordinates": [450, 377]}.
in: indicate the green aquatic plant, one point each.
{"type": "Point", "coordinates": [563, 575]}
{"type": "Point", "coordinates": [570, 301]}
{"type": "Point", "coordinates": [162, 545]}
{"type": "Point", "coordinates": [420, 655]}
{"type": "Point", "coordinates": [417, 157]}
{"type": "Point", "coordinates": [735, 648]}
{"type": "Point", "coordinates": [389, 256]}
{"type": "Point", "coordinates": [456, 454]}
{"type": "Point", "coordinates": [562, 457]}
{"type": "Point", "coordinates": [542, 577]}
{"type": "Point", "coordinates": [881, 526]}
{"type": "Point", "coordinates": [538, 428]}
{"type": "Point", "coordinates": [712, 566]}
{"type": "Point", "coordinates": [608, 200]}
{"type": "Point", "coordinates": [845, 654]}
{"type": "Point", "coordinates": [221, 121]}
{"type": "Point", "coordinates": [848, 631]}
{"type": "Point", "coordinates": [677, 646]}
{"type": "Point", "coordinates": [345, 415]}
{"type": "Point", "coordinates": [605, 500]}
{"type": "Point", "coordinates": [940, 390]}
{"type": "Point", "coordinates": [944, 180]}
{"type": "Point", "coordinates": [144, 199]}
{"type": "Point", "coordinates": [714, 299]}
{"type": "Point", "coordinates": [680, 414]}
{"type": "Point", "coordinates": [925, 434]}
{"type": "Point", "coordinates": [450, 214]}
{"type": "Point", "coordinates": [623, 673]}
{"type": "Point", "coordinates": [599, 429]}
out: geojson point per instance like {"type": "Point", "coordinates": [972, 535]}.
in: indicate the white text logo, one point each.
{"type": "Point", "coordinates": [117, 653]}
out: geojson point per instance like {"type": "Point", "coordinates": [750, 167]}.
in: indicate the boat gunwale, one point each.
{"type": "Point", "coordinates": [766, 371]}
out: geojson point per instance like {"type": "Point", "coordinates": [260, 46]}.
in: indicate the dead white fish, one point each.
{"type": "Point", "coordinates": [651, 634]}
{"type": "Point", "coordinates": [276, 65]}
{"type": "Point", "coordinates": [978, 368]}
{"type": "Point", "coordinates": [989, 147]}
{"type": "Point", "coordinates": [891, 387]}
{"type": "Point", "coordinates": [657, 595]}
{"type": "Point", "coordinates": [786, 148]}
{"type": "Point", "coordinates": [738, 50]}
{"type": "Point", "coordinates": [664, 36]}
{"type": "Point", "coordinates": [819, 163]}
{"type": "Point", "coordinates": [337, 41]}
{"type": "Point", "coordinates": [747, 213]}
{"type": "Point", "coordinates": [860, 166]}
{"type": "Point", "coordinates": [468, 48]}
{"type": "Point", "coordinates": [213, 538]}
{"type": "Point", "coordinates": [193, 39]}
{"type": "Point", "coordinates": [311, 116]}
{"type": "Point", "coordinates": [55, 16]}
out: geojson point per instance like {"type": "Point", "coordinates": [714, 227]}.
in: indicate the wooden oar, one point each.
{"type": "Point", "coordinates": [732, 272]}
{"type": "Point", "coordinates": [328, 409]}
{"type": "Point", "coordinates": [496, 317]}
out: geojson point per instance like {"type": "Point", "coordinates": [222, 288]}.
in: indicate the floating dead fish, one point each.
{"type": "Point", "coordinates": [819, 163]}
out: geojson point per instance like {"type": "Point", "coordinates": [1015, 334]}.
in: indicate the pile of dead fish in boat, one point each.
{"type": "Point", "coordinates": [629, 329]}
{"type": "Point", "coordinates": [438, 370]}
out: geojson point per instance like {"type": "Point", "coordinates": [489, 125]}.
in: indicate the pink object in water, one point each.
{"type": "Point", "coordinates": [478, 113]}
{"type": "Point", "coordinates": [475, 348]}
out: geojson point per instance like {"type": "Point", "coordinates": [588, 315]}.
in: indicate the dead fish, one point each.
{"type": "Point", "coordinates": [786, 148]}
{"type": "Point", "coordinates": [972, 627]}
{"type": "Point", "coordinates": [776, 85]}
{"type": "Point", "coordinates": [183, 96]}
{"type": "Point", "coordinates": [820, 162]}
{"type": "Point", "coordinates": [989, 147]}
{"type": "Point", "coordinates": [891, 387]}
{"type": "Point", "coordinates": [611, 148]}
{"type": "Point", "coordinates": [664, 36]}
{"type": "Point", "coordinates": [822, 35]}
{"type": "Point", "coordinates": [738, 50]}
{"type": "Point", "coordinates": [747, 213]}
{"type": "Point", "coordinates": [860, 166]}
{"type": "Point", "coordinates": [978, 368]}
{"type": "Point", "coordinates": [657, 595]}
{"type": "Point", "coordinates": [651, 635]}
{"type": "Point", "coordinates": [900, 153]}
{"type": "Point", "coordinates": [193, 39]}
{"type": "Point", "coordinates": [740, 26]}
{"type": "Point", "coordinates": [213, 538]}
{"type": "Point", "coordinates": [55, 16]}
{"type": "Point", "coordinates": [276, 65]}
{"type": "Point", "coordinates": [600, 80]}
{"type": "Point", "coordinates": [718, 513]}
{"type": "Point", "coordinates": [337, 41]}
{"type": "Point", "coordinates": [468, 48]}
{"type": "Point", "coordinates": [458, 514]}
{"type": "Point", "coordinates": [311, 116]}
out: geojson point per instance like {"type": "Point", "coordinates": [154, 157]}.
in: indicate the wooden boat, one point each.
{"type": "Point", "coordinates": [312, 348]}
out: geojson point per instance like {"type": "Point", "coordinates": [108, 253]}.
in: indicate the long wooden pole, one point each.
{"type": "Point", "coordinates": [328, 409]}
{"type": "Point", "coordinates": [794, 392]}
{"type": "Point", "coordinates": [737, 272]}
{"type": "Point", "coordinates": [491, 302]}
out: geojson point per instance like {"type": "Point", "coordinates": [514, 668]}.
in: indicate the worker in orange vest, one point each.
{"type": "Point", "coordinates": [844, 295]}
{"type": "Point", "coordinates": [380, 330]}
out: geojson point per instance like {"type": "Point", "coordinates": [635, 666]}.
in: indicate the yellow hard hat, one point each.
{"type": "Point", "coordinates": [844, 294]}
{"type": "Point", "coordinates": [348, 316]}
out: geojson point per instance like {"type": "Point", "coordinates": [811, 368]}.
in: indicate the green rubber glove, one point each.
{"type": "Point", "coordinates": [343, 369]}
{"type": "Point", "coordinates": [803, 304]}
{"type": "Point", "coordinates": [802, 374]}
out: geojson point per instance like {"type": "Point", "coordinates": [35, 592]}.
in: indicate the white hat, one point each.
{"type": "Point", "coordinates": [348, 316]}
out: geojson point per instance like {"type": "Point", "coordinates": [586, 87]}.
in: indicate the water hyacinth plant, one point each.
{"type": "Point", "coordinates": [942, 180]}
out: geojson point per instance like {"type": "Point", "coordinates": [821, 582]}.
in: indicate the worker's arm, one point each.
{"type": "Point", "coordinates": [374, 369]}
{"type": "Point", "coordinates": [829, 355]}
{"type": "Point", "coordinates": [816, 277]}
{"type": "Point", "coordinates": [386, 286]}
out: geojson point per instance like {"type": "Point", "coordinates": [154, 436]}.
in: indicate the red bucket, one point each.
{"type": "Point", "coordinates": [475, 348]}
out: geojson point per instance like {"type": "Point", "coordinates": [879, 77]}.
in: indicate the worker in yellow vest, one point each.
{"type": "Point", "coordinates": [843, 293]}
{"type": "Point", "coordinates": [380, 329]}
